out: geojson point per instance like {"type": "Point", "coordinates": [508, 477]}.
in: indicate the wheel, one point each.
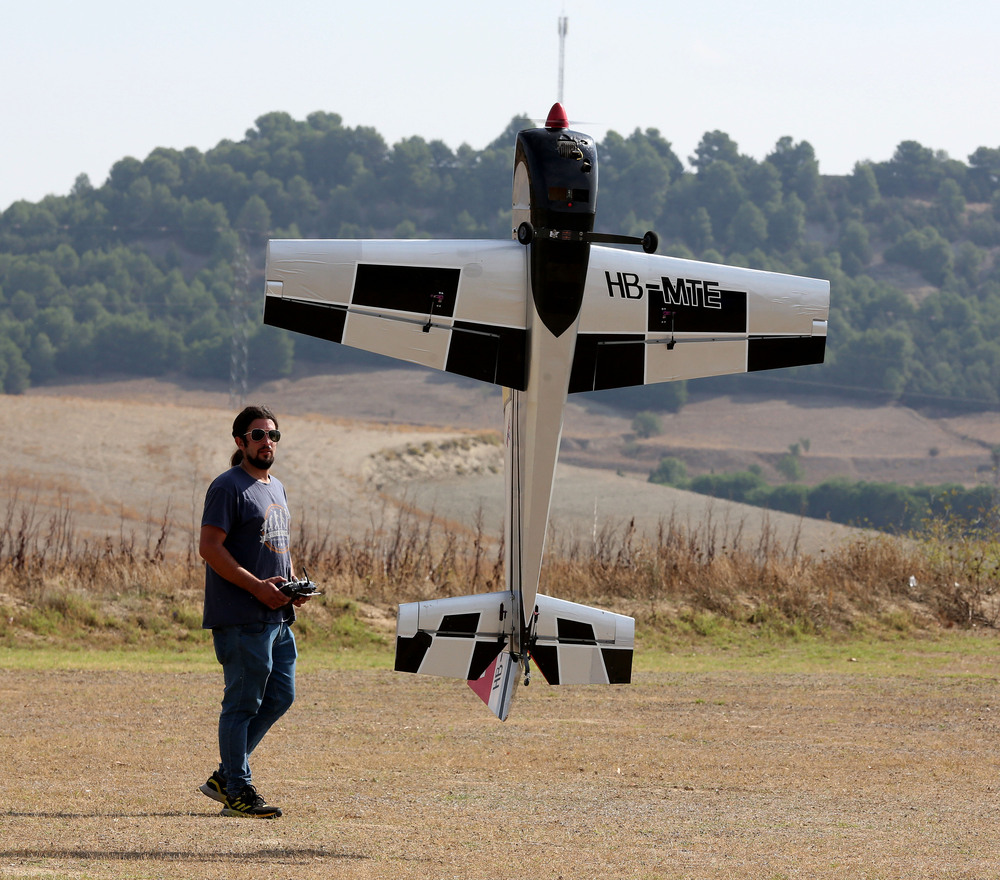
{"type": "Point", "coordinates": [650, 242]}
{"type": "Point", "coordinates": [525, 233]}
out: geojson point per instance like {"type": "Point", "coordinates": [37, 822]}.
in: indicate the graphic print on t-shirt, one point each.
{"type": "Point", "coordinates": [274, 532]}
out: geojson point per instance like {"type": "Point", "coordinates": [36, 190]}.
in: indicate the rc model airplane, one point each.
{"type": "Point", "coordinates": [548, 313]}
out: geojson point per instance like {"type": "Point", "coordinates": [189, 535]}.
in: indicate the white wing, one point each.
{"type": "Point", "coordinates": [647, 318]}
{"type": "Point", "coordinates": [451, 305]}
{"type": "Point", "coordinates": [460, 306]}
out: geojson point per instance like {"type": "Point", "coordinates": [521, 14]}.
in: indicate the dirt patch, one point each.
{"type": "Point", "coordinates": [435, 460]}
{"type": "Point", "coordinates": [736, 773]}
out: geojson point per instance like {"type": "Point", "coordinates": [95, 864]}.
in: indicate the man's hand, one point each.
{"type": "Point", "coordinates": [270, 594]}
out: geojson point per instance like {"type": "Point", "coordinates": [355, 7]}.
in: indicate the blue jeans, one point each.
{"type": "Point", "coordinates": [258, 665]}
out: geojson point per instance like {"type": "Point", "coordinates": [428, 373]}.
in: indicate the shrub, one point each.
{"type": "Point", "coordinates": [647, 424]}
{"type": "Point", "coordinates": [670, 472]}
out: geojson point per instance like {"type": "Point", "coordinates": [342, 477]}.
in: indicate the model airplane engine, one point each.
{"type": "Point", "coordinates": [561, 169]}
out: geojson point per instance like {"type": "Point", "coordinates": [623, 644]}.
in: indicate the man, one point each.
{"type": "Point", "coordinates": [245, 543]}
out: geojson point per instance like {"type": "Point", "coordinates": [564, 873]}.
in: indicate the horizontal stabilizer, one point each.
{"type": "Point", "coordinates": [458, 637]}
{"type": "Point", "coordinates": [577, 644]}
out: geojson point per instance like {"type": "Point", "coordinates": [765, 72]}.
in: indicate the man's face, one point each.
{"type": "Point", "coordinates": [259, 453]}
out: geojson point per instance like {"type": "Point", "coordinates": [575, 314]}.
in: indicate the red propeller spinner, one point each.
{"type": "Point", "coordinates": [557, 119]}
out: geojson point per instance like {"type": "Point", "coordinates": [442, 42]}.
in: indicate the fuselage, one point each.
{"type": "Point", "coordinates": [555, 191]}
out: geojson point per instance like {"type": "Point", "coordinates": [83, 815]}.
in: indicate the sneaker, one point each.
{"type": "Point", "coordinates": [215, 787]}
{"type": "Point", "coordinates": [249, 803]}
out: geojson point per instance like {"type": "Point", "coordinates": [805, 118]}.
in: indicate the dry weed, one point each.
{"type": "Point", "coordinates": [52, 585]}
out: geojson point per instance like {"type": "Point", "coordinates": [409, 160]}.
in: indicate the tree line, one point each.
{"type": "Point", "coordinates": [888, 507]}
{"type": "Point", "coordinates": [151, 272]}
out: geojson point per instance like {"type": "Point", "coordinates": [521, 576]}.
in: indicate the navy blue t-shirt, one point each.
{"type": "Point", "coordinates": [254, 515]}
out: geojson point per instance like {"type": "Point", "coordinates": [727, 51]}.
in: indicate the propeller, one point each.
{"type": "Point", "coordinates": [558, 119]}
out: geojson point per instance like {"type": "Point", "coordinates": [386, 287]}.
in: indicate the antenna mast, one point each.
{"type": "Point", "coordinates": [239, 309]}
{"type": "Point", "coordinates": [563, 21]}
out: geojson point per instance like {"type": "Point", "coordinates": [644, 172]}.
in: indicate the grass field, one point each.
{"type": "Point", "coordinates": [790, 716]}
{"type": "Point", "coordinates": [812, 758]}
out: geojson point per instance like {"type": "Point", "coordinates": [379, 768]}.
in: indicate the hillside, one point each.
{"type": "Point", "coordinates": [124, 457]}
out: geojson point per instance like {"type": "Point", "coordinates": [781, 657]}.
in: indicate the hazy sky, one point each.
{"type": "Point", "coordinates": [85, 84]}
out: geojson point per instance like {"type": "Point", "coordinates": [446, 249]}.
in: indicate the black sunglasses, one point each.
{"type": "Point", "coordinates": [258, 434]}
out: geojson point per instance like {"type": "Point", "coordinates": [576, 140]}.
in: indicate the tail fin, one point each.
{"type": "Point", "coordinates": [497, 686]}
{"type": "Point", "coordinates": [577, 644]}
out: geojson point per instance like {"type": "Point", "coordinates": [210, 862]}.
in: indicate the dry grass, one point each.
{"type": "Point", "coordinates": [122, 590]}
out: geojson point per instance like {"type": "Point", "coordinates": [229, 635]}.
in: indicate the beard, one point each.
{"type": "Point", "coordinates": [261, 463]}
